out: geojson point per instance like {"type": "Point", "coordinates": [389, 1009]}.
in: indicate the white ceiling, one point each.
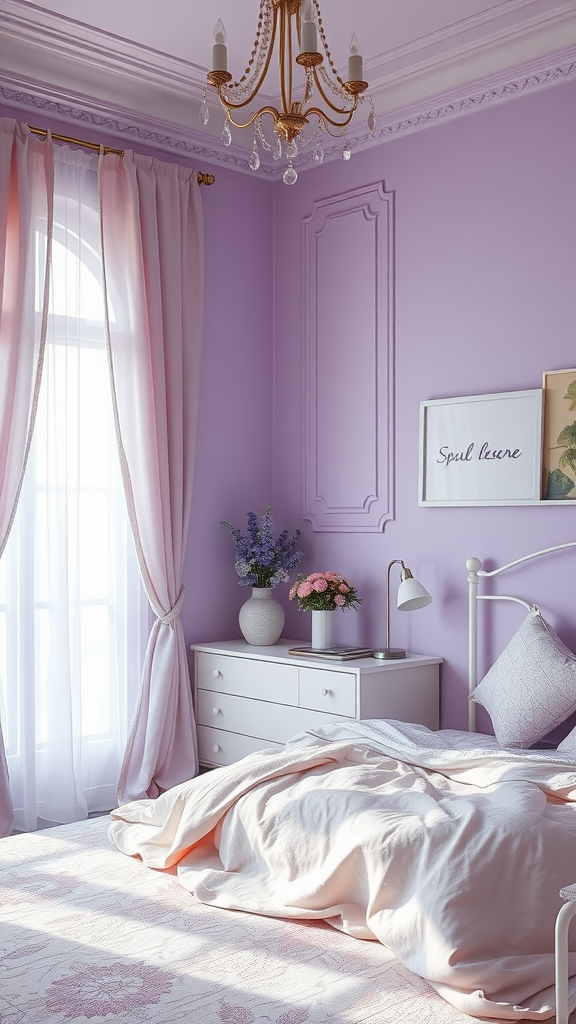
{"type": "Point", "coordinates": [140, 65]}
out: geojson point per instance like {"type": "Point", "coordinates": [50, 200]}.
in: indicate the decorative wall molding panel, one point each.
{"type": "Point", "coordinates": [349, 361]}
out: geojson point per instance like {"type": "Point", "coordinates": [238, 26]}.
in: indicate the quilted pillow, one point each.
{"type": "Point", "coordinates": [531, 688]}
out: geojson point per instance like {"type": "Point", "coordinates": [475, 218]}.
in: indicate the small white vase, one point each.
{"type": "Point", "coordinates": [322, 630]}
{"type": "Point", "coordinates": [261, 618]}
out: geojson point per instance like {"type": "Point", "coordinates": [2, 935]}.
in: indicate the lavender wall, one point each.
{"type": "Point", "coordinates": [485, 301]}
{"type": "Point", "coordinates": [234, 460]}
{"type": "Point", "coordinates": [485, 265]}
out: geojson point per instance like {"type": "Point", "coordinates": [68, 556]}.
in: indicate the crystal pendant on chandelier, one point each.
{"type": "Point", "coordinates": [289, 177]}
{"type": "Point", "coordinates": [277, 150]}
{"type": "Point", "coordinates": [226, 135]}
{"type": "Point", "coordinates": [318, 154]}
{"type": "Point", "coordinates": [204, 113]}
{"type": "Point", "coordinates": [346, 152]}
{"type": "Point", "coordinates": [371, 122]}
{"type": "Point", "coordinates": [254, 161]}
{"type": "Point", "coordinates": [292, 149]}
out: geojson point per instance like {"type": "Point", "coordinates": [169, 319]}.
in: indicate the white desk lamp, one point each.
{"type": "Point", "coordinates": [411, 596]}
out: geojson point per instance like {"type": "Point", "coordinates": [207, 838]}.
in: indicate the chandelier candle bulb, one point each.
{"type": "Point", "coordinates": [308, 36]}
{"type": "Point", "coordinates": [219, 49]}
{"type": "Point", "coordinates": [355, 60]}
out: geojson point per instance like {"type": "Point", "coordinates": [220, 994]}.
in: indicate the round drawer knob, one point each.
{"type": "Point", "coordinates": [216, 711]}
{"type": "Point", "coordinates": [216, 748]}
{"type": "Point", "coordinates": [216, 672]}
{"type": "Point", "coordinates": [325, 692]}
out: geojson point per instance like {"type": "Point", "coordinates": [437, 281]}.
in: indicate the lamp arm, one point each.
{"type": "Point", "coordinates": [397, 561]}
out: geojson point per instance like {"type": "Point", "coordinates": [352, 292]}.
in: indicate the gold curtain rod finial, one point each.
{"type": "Point", "coordinates": [205, 179]}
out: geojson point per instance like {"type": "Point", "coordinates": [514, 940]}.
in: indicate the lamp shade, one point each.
{"type": "Point", "coordinates": [412, 595]}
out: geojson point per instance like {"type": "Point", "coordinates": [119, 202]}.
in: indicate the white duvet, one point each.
{"type": "Point", "coordinates": [449, 853]}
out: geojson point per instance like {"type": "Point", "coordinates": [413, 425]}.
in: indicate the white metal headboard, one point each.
{"type": "Point", "coordinates": [475, 570]}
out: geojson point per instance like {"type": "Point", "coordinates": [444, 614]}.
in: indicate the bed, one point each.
{"type": "Point", "coordinates": [353, 831]}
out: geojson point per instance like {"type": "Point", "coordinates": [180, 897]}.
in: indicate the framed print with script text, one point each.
{"type": "Point", "coordinates": [481, 450]}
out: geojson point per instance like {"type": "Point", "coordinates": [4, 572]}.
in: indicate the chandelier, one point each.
{"type": "Point", "coordinates": [313, 100]}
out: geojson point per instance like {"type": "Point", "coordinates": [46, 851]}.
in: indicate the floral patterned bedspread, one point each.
{"type": "Point", "coordinates": [89, 936]}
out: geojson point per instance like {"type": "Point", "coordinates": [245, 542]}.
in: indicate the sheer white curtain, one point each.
{"type": "Point", "coordinates": [25, 203]}
{"type": "Point", "coordinates": [152, 230]}
{"type": "Point", "coordinates": [70, 609]}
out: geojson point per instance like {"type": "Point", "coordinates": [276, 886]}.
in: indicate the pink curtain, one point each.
{"type": "Point", "coordinates": [151, 219]}
{"type": "Point", "coordinates": [25, 203]}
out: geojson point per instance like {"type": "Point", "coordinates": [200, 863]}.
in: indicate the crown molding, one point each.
{"type": "Point", "coordinates": [63, 39]}
{"type": "Point", "coordinates": [505, 35]}
{"type": "Point", "coordinates": [544, 26]}
{"type": "Point", "coordinates": [26, 94]}
{"type": "Point", "coordinates": [39, 37]}
{"type": "Point", "coordinates": [124, 126]}
{"type": "Point", "coordinates": [498, 88]}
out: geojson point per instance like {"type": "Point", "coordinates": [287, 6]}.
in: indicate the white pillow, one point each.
{"type": "Point", "coordinates": [531, 688]}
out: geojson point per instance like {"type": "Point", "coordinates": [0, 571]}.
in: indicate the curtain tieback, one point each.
{"type": "Point", "coordinates": [174, 612]}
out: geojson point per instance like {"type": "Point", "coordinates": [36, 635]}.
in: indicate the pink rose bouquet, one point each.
{"type": "Point", "coordinates": [323, 592]}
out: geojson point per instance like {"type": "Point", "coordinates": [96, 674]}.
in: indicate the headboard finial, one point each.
{"type": "Point", "coordinates": [473, 564]}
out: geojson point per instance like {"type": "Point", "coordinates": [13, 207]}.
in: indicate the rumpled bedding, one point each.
{"type": "Point", "coordinates": [445, 848]}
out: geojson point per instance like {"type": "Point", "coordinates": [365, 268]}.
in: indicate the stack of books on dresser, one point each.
{"type": "Point", "coordinates": [337, 653]}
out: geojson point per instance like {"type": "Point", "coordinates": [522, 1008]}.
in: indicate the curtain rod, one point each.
{"type": "Point", "coordinates": [203, 179]}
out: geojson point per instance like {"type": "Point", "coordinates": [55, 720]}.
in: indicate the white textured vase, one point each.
{"type": "Point", "coordinates": [322, 630]}
{"type": "Point", "coordinates": [261, 618]}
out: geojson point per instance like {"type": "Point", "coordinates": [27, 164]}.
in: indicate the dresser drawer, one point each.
{"type": "Point", "coordinates": [218, 747]}
{"type": "Point", "coordinates": [256, 718]}
{"type": "Point", "coordinates": [248, 698]}
{"type": "Point", "coordinates": [331, 692]}
{"type": "Point", "coordinates": [260, 679]}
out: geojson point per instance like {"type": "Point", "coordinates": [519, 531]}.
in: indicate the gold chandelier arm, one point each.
{"type": "Point", "coordinates": [263, 110]}
{"type": "Point", "coordinates": [238, 106]}
{"type": "Point", "coordinates": [325, 118]}
{"type": "Point", "coordinates": [337, 110]}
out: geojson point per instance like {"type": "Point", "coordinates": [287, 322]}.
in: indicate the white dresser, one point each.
{"type": "Point", "coordinates": [248, 698]}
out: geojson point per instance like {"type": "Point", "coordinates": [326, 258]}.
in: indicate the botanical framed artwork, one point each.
{"type": "Point", "coordinates": [559, 445]}
{"type": "Point", "coordinates": [481, 449]}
